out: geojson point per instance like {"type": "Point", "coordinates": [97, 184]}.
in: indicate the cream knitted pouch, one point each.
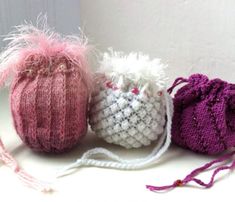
{"type": "Point", "coordinates": [129, 107]}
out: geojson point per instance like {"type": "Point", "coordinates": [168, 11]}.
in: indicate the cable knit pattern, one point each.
{"type": "Point", "coordinates": [204, 115]}
{"type": "Point", "coordinates": [126, 118]}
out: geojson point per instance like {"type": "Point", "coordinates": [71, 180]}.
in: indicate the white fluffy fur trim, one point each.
{"type": "Point", "coordinates": [136, 67]}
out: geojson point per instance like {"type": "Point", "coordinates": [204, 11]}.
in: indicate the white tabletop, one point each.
{"type": "Point", "coordinates": [99, 184]}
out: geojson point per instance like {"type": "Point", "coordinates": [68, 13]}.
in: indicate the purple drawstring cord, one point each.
{"type": "Point", "coordinates": [191, 176]}
{"type": "Point", "coordinates": [177, 81]}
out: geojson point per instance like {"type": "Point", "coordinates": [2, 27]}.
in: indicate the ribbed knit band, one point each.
{"type": "Point", "coordinates": [49, 109]}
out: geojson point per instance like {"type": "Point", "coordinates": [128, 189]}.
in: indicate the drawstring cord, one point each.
{"type": "Point", "coordinates": [192, 176]}
{"type": "Point", "coordinates": [119, 163]}
{"type": "Point", "coordinates": [177, 82]}
{"type": "Point", "coordinates": [9, 160]}
{"type": "Point", "coordinates": [27, 179]}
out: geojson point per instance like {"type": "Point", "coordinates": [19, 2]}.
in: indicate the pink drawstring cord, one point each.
{"type": "Point", "coordinates": [28, 180]}
{"type": "Point", "coordinates": [191, 176]}
{"type": "Point", "coordinates": [6, 158]}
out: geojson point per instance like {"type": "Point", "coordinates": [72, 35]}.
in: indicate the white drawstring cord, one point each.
{"type": "Point", "coordinates": [118, 163]}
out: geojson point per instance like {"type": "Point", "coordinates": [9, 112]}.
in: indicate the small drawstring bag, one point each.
{"type": "Point", "coordinates": [129, 107]}
{"type": "Point", "coordinates": [203, 122]}
{"type": "Point", "coordinates": [49, 93]}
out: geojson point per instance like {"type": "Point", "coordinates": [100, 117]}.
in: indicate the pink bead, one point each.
{"type": "Point", "coordinates": [135, 91]}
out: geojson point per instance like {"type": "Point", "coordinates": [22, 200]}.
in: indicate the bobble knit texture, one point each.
{"type": "Point", "coordinates": [204, 115]}
{"type": "Point", "coordinates": [129, 107]}
{"type": "Point", "coordinates": [126, 118]}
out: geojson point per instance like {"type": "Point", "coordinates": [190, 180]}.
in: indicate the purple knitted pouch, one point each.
{"type": "Point", "coordinates": [204, 115]}
{"type": "Point", "coordinates": [204, 122]}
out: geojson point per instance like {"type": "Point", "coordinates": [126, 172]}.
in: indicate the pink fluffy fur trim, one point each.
{"type": "Point", "coordinates": [27, 41]}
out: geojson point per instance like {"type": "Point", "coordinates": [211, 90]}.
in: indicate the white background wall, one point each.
{"type": "Point", "coordinates": [62, 14]}
{"type": "Point", "coordinates": [190, 35]}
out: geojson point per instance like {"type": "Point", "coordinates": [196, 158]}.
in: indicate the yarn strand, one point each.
{"type": "Point", "coordinates": [177, 82]}
{"type": "Point", "coordinates": [191, 177]}
{"type": "Point", "coordinates": [27, 179]}
{"type": "Point", "coordinates": [9, 160]}
{"type": "Point", "coordinates": [119, 163]}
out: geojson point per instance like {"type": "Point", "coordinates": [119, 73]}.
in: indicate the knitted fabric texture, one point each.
{"type": "Point", "coordinates": [204, 115]}
{"type": "Point", "coordinates": [50, 88]}
{"type": "Point", "coordinates": [129, 107]}
{"type": "Point", "coordinates": [49, 105]}
{"type": "Point", "coordinates": [128, 118]}
{"type": "Point", "coordinates": [125, 111]}
{"type": "Point", "coordinates": [203, 121]}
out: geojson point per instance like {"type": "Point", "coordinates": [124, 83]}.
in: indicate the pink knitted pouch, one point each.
{"type": "Point", "coordinates": [49, 92]}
